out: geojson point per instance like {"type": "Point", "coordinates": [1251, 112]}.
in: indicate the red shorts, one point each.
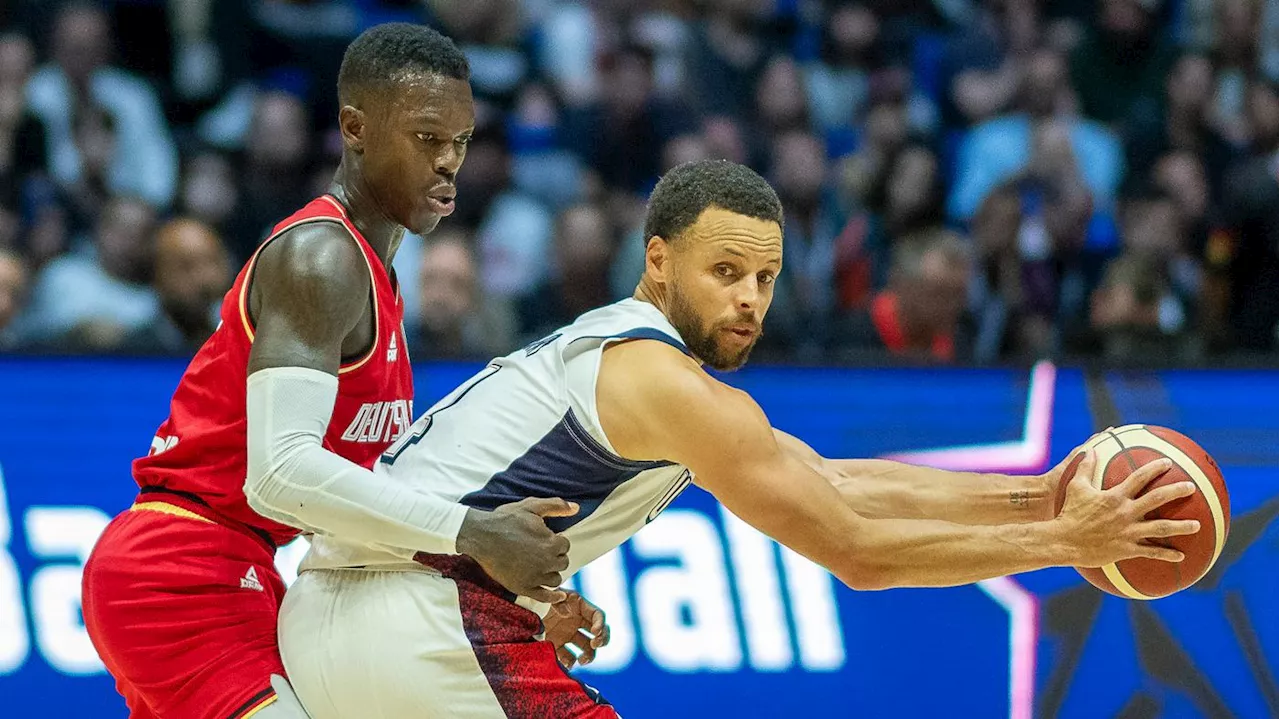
{"type": "Point", "coordinates": [182, 611]}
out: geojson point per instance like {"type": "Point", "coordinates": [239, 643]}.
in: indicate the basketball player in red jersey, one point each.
{"type": "Point", "coordinates": [280, 415]}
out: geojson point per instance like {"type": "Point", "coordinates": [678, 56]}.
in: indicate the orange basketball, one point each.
{"type": "Point", "coordinates": [1124, 449]}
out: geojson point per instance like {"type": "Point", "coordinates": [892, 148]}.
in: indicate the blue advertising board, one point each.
{"type": "Point", "coordinates": [710, 618]}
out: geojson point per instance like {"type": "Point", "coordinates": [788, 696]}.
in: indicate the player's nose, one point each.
{"type": "Point", "coordinates": [747, 294]}
{"type": "Point", "coordinates": [448, 161]}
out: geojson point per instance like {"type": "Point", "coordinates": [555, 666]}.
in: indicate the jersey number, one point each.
{"type": "Point", "coordinates": [419, 428]}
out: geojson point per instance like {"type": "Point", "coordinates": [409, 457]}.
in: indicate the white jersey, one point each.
{"type": "Point", "coordinates": [526, 426]}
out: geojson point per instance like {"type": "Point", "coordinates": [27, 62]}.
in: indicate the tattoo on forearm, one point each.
{"type": "Point", "coordinates": [1020, 498]}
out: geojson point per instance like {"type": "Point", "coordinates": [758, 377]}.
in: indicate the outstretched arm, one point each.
{"type": "Point", "coordinates": [883, 489]}
{"type": "Point", "coordinates": [655, 403]}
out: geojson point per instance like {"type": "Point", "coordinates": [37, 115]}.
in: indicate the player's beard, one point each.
{"type": "Point", "coordinates": [703, 341]}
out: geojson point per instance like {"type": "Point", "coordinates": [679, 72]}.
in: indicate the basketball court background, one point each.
{"type": "Point", "coordinates": [709, 618]}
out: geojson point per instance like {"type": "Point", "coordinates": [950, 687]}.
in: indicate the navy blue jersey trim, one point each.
{"type": "Point", "coordinates": [641, 333]}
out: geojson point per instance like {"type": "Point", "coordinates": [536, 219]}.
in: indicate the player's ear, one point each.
{"type": "Point", "coordinates": [657, 258]}
{"type": "Point", "coordinates": [351, 122]}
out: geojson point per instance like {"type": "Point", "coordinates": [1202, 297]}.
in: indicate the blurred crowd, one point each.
{"type": "Point", "coordinates": [964, 181]}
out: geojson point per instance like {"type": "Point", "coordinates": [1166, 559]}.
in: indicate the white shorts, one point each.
{"type": "Point", "coordinates": [417, 644]}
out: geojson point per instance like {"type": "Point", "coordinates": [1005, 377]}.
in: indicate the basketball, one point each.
{"type": "Point", "coordinates": [1120, 452]}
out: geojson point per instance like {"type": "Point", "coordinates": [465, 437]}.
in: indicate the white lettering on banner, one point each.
{"type": "Point", "coordinates": [604, 582]}
{"type": "Point", "coordinates": [681, 606]}
{"type": "Point", "coordinates": [63, 533]}
{"type": "Point", "coordinates": [686, 611]}
{"type": "Point", "coordinates": [755, 569]}
{"type": "Point", "coordinates": [813, 609]}
{"type": "Point", "coordinates": [14, 641]}
{"type": "Point", "coordinates": [754, 560]}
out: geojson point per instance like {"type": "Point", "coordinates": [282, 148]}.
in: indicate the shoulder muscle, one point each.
{"type": "Point", "coordinates": [661, 405]}
{"type": "Point", "coordinates": [310, 288]}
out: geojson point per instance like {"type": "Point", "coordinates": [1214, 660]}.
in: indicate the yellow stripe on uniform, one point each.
{"type": "Point", "coordinates": [166, 508]}
{"type": "Point", "coordinates": [259, 707]}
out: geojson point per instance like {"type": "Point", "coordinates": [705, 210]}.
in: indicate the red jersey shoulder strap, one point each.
{"type": "Point", "coordinates": [322, 209]}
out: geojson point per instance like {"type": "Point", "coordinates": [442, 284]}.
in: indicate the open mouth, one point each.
{"type": "Point", "coordinates": [441, 201]}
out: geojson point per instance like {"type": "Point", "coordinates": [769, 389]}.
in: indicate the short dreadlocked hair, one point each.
{"type": "Point", "coordinates": [689, 189]}
{"type": "Point", "coordinates": [388, 53]}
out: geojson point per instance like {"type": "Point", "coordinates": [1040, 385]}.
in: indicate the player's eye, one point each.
{"type": "Point", "coordinates": [426, 137]}
{"type": "Point", "coordinates": [766, 278]}
{"type": "Point", "coordinates": [464, 140]}
{"type": "Point", "coordinates": [724, 270]}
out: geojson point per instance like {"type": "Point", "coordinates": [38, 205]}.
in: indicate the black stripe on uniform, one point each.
{"type": "Point", "coordinates": [254, 701]}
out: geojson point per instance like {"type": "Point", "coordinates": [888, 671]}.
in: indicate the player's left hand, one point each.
{"type": "Point", "coordinates": [578, 622]}
{"type": "Point", "coordinates": [1053, 478]}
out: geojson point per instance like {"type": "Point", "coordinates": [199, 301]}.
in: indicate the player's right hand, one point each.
{"type": "Point", "coordinates": [1102, 526]}
{"type": "Point", "coordinates": [514, 546]}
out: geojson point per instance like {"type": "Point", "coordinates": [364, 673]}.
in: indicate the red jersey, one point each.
{"type": "Point", "coordinates": [200, 450]}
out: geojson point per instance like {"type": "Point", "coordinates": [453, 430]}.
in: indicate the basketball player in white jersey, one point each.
{"type": "Point", "coordinates": [616, 413]}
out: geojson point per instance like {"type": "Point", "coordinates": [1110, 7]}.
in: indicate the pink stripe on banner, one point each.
{"type": "Point", "coordinates": [1024, 620]}
{"type": "Point", "coordinates": [1025, 456]}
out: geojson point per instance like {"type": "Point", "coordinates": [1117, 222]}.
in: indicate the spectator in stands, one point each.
{"type": "Point", "coordinates": [1029, 234]}
{"type": "Point", "coordinates": [91, 300]}
{"type": "Point", "coordinates": [1153, 230]}
{"type": "Point", "coordinates": [983, 65]}
{"type": "Point", "coordinates": [192, 273]}
{"type": "Point", "coordinates": [1250, 209]}
{"type": "Point", "coordinates": [540, 166]}
{"type": "Point", "coordinates": [725, 138]}
{"type": "Point", "coordinates": [1125, 324]}
{"type": "Point", "coordinates": [571, 137]}
{"type": "Point", "coordinates": [684, 149]}
{"type": "Point", "coordinates": [837, 84]}
{"type": "Point", "coordinates": [1000, 149]}
{"type": "Point", "coordinates": [1180, 174]}
{"type": "Point", "coordinates": [1236, 61]}
{"type": "Point", "coordinates": [913, 193]}
{"type": "Point", "coordinates": [209, 191]}
{"type": "Point", "coordinates": [14, 278]}
{"type": "Point", "coordinates": [22, 136]}
{"type": "Point", "coordinates": [485, 176]}
{"type": "Point", "coordinates": [579, 281]}
{"type": "Point", "coordinates": [81, 77]}
{"type": "Point", "coordinates": [489, 32]}
{"type": "Point", "coordinates": [274, 174]}
{"type": "Point", "coordinates": [98, 143]}
{"type": "Point", "coordinates": [727, 54]}
{"type": "Point", "coordinates": [908, 205]}
{"type": "Point", "coordinates": [569, 41]}
{"type": "Point", "coordinates": [920, 314]}
{"type": "Point", "coordinates": [515, 227]}
{"type": "Point", "coordinates": [1181, 122]}
{"type": "Point", "coordinates": [622, 135]}
{"type": "Point", "coordinates": [862, 176]}
{"type": "Point", "coordinates": [1122, 60]}
{"type": "Point", "coordinates": [804, 298]}
{"type": "Point", "coordinates": [17, 60]}
{"type": "Point", "coordinates": [781, 105]}
{"type": "Point", "coordinates": [455, 320]}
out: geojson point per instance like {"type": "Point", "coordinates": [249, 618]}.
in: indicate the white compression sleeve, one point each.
{"type": "Point", "coordinates": [293, 479]}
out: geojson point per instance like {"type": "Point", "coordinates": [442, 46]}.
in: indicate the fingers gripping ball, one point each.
{"type": "Point", "coordinates": [1124, 449]}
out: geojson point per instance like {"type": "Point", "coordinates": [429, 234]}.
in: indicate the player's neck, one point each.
{"type": "Point", "coordinates": [382, 233]}
{"type": "Point", "coordinates": [647, 292]}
